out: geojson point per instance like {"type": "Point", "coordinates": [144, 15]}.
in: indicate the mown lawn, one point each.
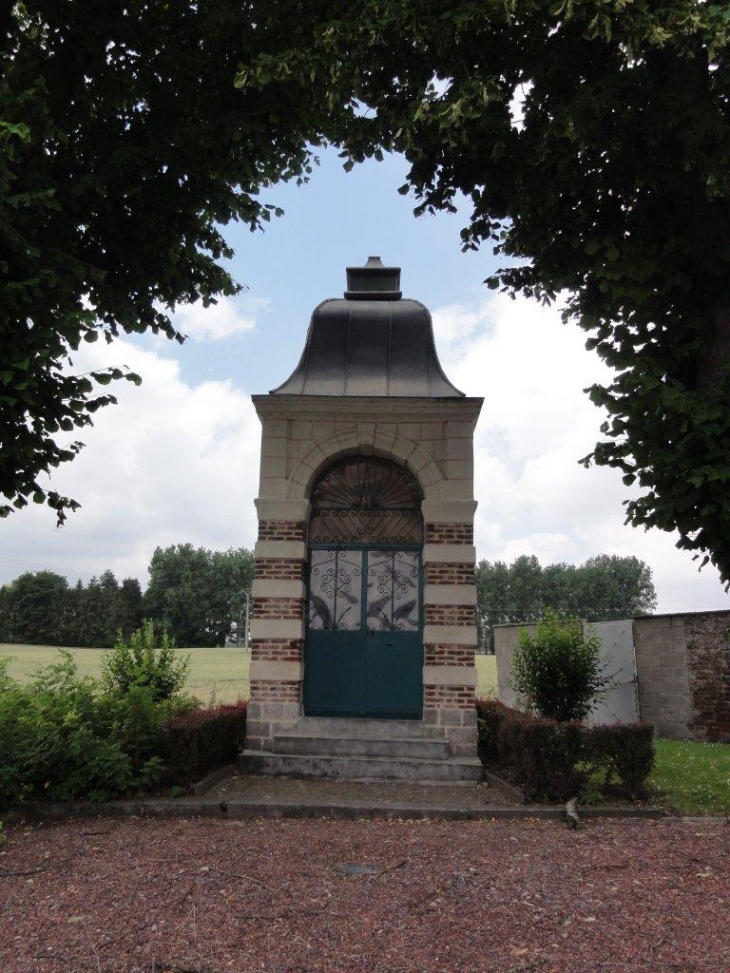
{"type": "Point", "coordinates": [692, 778]}
{"type": "Point", "coordinates": [219, 675]}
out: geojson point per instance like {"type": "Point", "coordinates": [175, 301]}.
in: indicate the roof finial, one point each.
{"type": "Point", "coordinates": [373, 282]}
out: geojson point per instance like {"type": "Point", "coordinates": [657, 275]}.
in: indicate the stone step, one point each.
{"type": "Point", "coordinates": [363, 746]}
{"type": "Point", "coordinates": [416, 770]}
{"type": "Point", "coordinates": [329, 726]}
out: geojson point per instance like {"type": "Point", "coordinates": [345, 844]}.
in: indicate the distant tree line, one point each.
{"type": "Point", "coordinates": [606, 587]}
{"type": "Point", "coordinates": [196, 595]}
{"type": "Point", "coordinates": [41, 608]}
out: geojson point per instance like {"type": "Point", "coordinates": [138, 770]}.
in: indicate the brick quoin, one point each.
{"type": "Point", "coordinates": [280, 569]}
{"type": "Point", "coordinates": [448, 697]}
{"type": "Point", "coordinates": [278, 608]}
{"type": "Point", "coordinates": [461, 572]}
{"type": "Point", "coordinates": [279, 650]}
{"type": "Point", "coordinates": [437, 654]}
{"type": "Point", "coordinates": [282, 530]}
{"type": "Point", "coordinates": [450, 615]}
{"type": "Point", "coordinates": [438, 533]}
{"type": "Point", "coordinates": [264, 690]}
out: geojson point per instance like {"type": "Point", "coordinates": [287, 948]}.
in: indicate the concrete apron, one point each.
{"type": "Point", "coordinates": [226, 794]}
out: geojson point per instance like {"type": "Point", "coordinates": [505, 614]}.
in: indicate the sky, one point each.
{"type": "Point", "coordinates": [176, 461]}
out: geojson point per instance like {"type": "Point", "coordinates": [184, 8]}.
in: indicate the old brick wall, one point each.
{"type": "Point", "coordinates": [708, 661]}
{"type": "Point", "coordinates": [683, 664]}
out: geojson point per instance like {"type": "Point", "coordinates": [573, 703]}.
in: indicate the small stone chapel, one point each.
{"type": "Point", "coordinates": [363, 629]}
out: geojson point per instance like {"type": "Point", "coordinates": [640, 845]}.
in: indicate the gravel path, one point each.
{"type": "Point", "coordinates": [140, 895]}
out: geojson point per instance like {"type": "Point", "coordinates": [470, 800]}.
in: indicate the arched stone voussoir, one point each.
{"type": "Point", "coordinates": [404, 451]}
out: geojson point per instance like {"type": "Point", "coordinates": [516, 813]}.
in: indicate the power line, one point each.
{"type": "Point", "coordinates": [29, 565]}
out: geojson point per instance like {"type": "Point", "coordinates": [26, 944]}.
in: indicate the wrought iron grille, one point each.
{"type": "Point", "coordinates": [366, 500]}
{"type": "Point", "coordinates": [392, 591]}
{"type": "Point", "coordinates": [335, 590]}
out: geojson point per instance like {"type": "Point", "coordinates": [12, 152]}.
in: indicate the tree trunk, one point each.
{"type": "Point", "coordinates": [713, 361]}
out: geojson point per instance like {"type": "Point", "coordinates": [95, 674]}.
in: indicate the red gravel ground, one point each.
{"type": "Point", "coordinates": [140, 895]}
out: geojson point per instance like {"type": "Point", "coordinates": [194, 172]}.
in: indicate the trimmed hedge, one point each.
{"type": "Point", "coordinates": [197, 743]}
{"type": "Point", "coordinates": [554, 761]}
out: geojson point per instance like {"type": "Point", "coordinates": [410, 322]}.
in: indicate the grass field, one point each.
{"type": "Point", "coordinates": [486, 675]}
{"type": "Point", "coordinates": [215, 674]}
{"type": "Point", "coordinates": [221, 674]}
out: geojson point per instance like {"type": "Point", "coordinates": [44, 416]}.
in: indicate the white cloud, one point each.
{"type": "Point", "coordinates": [227, 318]}
{"type": "Point", "coordinates": [171, 463]}
{"type": "Point", "coordinates": [536, 423]}
{"type": "Point", "coordinates": [177, 462]}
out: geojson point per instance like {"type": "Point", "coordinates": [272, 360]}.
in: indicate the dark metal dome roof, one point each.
{"type": "Point", "coordinates": [371, 343]}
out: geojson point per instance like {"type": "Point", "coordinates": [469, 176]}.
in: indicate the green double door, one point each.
{"type": "Point", "coordinates": [364, 652]}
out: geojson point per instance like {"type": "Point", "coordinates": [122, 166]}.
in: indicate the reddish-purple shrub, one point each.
{"type": "Point", "coordinates": [202, 741]}
{"type": "Point", "coordinates": [553, 761]}
{"type": "Point", "coordinates": [625, 751]}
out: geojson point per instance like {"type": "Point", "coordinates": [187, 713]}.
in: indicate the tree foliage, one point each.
{"type": "Point", "coordinates": [605, 587]}
{"type": "Point", "coordinates": [32, 608]}
{"type": "Point", "coordinates": [123, 146]}
{"type": "Point", "coordinates": [197, 594]}
{"type": "Point", "coordinates": [593, 141]}
{"type": "Point", "coordinates": [591, 137]}
{"type": "Point", "coordinates": [40, 608]}
{"type": "Point", "coordinates": [558, 670]}
{"type": "Point", "coordinates": [194, 594]}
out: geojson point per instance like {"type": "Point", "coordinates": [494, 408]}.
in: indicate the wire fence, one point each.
{"type": "Point", "coordinates": [489, 620]}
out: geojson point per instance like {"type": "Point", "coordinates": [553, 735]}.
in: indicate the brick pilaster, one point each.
{"type": "Point", "coordinates": [446, 533]}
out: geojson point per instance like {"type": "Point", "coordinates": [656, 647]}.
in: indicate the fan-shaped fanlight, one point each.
{"type": "Point", "coordinates": [366, 500]}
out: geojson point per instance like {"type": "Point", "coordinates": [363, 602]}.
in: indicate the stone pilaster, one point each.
{"type": "Point", "coordinates": [277, 625]}
{"type": "Point", "coordinates": [449, 674]}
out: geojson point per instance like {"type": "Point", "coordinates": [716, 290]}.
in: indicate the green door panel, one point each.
{"type": "Point", "coordinates": [363, 654]}
{"type": "Point", "coordinates": [334, 679]}
{"type": "Point", "coordinates": [394, 675]}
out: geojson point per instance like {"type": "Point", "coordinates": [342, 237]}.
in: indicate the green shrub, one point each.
{"type": "Point", "coordinates": [138, 723]}
{"type": "Point", "coordinates": [62, 738]}
{"type": "Point", "coordinates": [558, 670]}
{"type": "Point", "coordinates": [148, 660]}
{"type": "Point", "coordinates": [543, 756]}
{"type": "Point", "coordinates": [55, 741]}
{"type": "Point", "coordinates": [491, 714]}
{"type": "Point", "coordinates": [554, 761]}
{"type": "Point", "coordinates": [65, 738]}
{"type": "Point", "coordinates": [199, 742]}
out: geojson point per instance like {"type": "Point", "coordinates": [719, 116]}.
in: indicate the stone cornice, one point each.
{"type": "Point", "coordinates": [383, 408]}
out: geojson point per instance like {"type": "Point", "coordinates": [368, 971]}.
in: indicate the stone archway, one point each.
{"type": "Point", "coordinates": [362, 439]}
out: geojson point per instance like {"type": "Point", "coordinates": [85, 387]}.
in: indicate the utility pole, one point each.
{"type": "Point", "coordinates": [247, 611]}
